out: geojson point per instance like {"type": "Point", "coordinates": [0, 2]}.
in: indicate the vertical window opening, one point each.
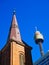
{"type": "Point", "coordinates": [22, 59]}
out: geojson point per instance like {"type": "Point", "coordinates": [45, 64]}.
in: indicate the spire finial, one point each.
{"type": "Point", "coordinates": [14, 12]}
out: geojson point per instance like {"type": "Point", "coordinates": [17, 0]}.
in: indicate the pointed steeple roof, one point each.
{"type": "Point", "coordinates": [14, 30]}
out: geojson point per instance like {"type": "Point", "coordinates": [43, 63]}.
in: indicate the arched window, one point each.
{"type": "Point", "coordinates": [22, 59]}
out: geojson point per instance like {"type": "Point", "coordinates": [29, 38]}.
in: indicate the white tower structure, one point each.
{"type": "Point", "coordinates": [39, 40]}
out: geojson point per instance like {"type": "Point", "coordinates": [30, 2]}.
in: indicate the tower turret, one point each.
{"type": "Point", "coordinates": [39, 40]}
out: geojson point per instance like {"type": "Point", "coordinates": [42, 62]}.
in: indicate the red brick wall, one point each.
{"type": "Point", "coordinates": [5, 57]}
{"type": "Point", "coordinates": [28, 57]}
{"type": "Point", "coordinates": [0, 57]}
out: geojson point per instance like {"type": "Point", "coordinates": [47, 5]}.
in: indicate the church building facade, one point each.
{"type": "Point", "coordinates": [16, 51]}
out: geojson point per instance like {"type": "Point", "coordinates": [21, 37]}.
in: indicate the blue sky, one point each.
{"type": "Point", "coordinates": [29, 13]}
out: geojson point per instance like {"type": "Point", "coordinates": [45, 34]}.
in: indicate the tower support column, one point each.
{"type": "Point", "coordinates": [41, 49]}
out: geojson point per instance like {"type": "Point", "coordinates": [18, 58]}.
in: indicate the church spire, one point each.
{"type": "Point", "coordinates": [14, 30]}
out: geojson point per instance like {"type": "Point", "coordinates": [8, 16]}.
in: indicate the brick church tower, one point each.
{"type": "Point", "coordinates": [16, 51]}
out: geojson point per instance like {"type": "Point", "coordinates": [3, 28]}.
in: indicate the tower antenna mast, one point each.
{"type": "Point", "coordinates": [36, 28]}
